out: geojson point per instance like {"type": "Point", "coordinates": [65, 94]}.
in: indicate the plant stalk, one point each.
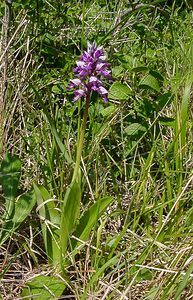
{"type": "Point", "coordinates": [81, 139]}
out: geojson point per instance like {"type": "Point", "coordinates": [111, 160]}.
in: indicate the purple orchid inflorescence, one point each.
{"type": "Point", "coordinates": [90, 70]}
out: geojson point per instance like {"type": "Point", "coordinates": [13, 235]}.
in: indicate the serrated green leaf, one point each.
{"type": "Point", "coordinates": [150, 82]}
{"type": "Point", "coordinates": [119, 91]}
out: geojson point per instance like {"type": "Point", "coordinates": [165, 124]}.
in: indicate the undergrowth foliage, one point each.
{"type": "Point", "coordinates": [96, 196]}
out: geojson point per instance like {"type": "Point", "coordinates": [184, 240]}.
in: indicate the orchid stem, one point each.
{"type": "Point", "coordinates": [81, 139]}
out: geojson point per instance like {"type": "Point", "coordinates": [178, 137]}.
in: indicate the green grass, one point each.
{"type": "Point", "coordinates": [131, 237]}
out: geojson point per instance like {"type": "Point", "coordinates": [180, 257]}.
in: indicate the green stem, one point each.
{"type": "Point", "coordinates": [81, 140]}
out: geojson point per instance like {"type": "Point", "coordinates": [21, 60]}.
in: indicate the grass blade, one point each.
{"type": "Point", "coordinates": [89, 219]}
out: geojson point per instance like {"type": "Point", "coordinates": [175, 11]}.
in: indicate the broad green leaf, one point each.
{"type": "Point", "coordinates": [156, 75]}
{"type": "Point", "coordinates": [134, 128]}
{"type": "Point", "coordinates": [70, 214]}
{"type": "Point", "coordinates": [149, 82]}
{"type": "Point", "coordinates": [146, 108]}
{"type": "Point", "coordinates": [167, 121]}
{"type": "Point", "coordinates": [119, 91]}
{"type": "Point", "coordinates": [108, 110]}
{"type": "Point", "coordinates": [43, 288]}
{"type": "Point", "coordinates": [56, 89]}
{"type": "Point", "coordinates": [23, 206]}
{"type": "Point", "coordinates": [117, 71]}
{"type": "Point", "coordinates": [90, 218]}
{"type": "Point", "coordinates": [10, 172]}
{"type": "Point", "coordinates": [140, 69]}
{"type": "Point", "coordinates": [144, 274]}
{"type": "Point", "coordinates": [127, 61]}
{"type": "Point", "coordinates": [164, 100]}
{"type": "Point", "coordinates": [50, 222]}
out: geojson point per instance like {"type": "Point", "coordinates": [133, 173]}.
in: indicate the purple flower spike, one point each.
{"type": "Point", "coordinates": [90, 70]}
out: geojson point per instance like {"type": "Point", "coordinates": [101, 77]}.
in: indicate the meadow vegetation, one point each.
{"type": "Point", "coordinates": [120, 226]}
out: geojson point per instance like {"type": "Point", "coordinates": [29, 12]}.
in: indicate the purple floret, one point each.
{"type": "Point", "coordinates": [90, 70]}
